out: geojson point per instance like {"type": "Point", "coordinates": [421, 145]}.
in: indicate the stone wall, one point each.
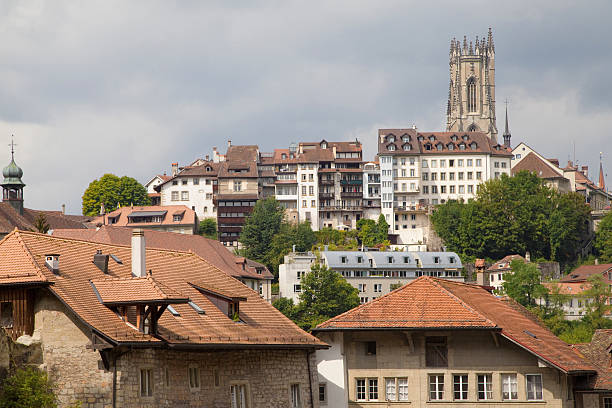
{"type": "Point", "coordinates": [268, 376]}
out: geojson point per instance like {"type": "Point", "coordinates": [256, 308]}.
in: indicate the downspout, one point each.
{"type": "Point", "coordinates": [308, 353]}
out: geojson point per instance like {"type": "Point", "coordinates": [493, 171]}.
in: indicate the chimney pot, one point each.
{"type": "Point", "coordinates": [229, 143]}
{"type": "Point", "coordinates": [63, 208]}
{"type": "Point", "coordinates": [52, 262]}
{"type": "Point", "coordinates": [138, 253]}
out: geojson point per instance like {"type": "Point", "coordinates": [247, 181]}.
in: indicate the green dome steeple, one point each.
{"type": "Point", "coordinates": [12, 186]}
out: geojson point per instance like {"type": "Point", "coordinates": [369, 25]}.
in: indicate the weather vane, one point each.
{"type": "Point", "coordinates": [12, 145]}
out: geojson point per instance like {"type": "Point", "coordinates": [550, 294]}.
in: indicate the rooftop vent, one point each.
{"type": "Point", "coordinates": [52, 262]}
{"type": "Point", "coordinates": [101, 261]}
{"type": "Point", "coordinates": [527, 332]}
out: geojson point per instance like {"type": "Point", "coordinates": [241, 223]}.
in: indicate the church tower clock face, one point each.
{"type": "Point", "coordinates": [471, 93]}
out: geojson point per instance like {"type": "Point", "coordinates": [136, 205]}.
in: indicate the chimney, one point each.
{"type": "Point", "coordinates": [101, 261]}
{"type": "Point", "coordinates": [138, 253]}
{"type": "Point", "coordinates": [63, 209]}
{"type": "Point", "coordinates": [229, 144]}
{"type": "Point", "coordinates": [207, 158]}
{"type": "Point", "coordinates": [585, 171]}
{"type": "Point", "coordinates": [527, 256]}
{"type": "Point", "coordinates": [52, 262]}
{"type": "Point", "coordinates": [174, 169]}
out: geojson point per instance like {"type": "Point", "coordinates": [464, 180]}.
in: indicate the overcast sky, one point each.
{"type": "Point", "coordinates": [129, 87]}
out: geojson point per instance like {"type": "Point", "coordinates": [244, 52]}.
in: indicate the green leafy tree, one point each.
{"type": "Point", "coordinates": [40, 223]}
{"type": "Point", "coordinates": [597, 298]}
{"type": "Point", "coordinates": [113, 191]}
{"type": "Point", "coordinates": [367, 232]}
{"type": "Point", "coordinates": [603, 239]}
{"type": "Point", "coordinates": [523, 284]}
{"type": "Point", "coordinates": [567, 225]}
{"type": "Point", "coordinates": [208, 228]}
{"type": "Point", "coordinates": [382, 229]}
{"type": "Point", "coordinates": [260, 228]}
{"type": "Point", "coordinates": [286, 307]}
{"type": "Point", "coordinates": [325, 294]}
{"type": "Point", "coordinates": [27, 388]}
{"type": "Point", "coordinates": [301, 235]}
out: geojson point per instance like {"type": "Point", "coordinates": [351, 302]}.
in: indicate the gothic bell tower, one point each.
{"type": "Point", "coordinates": [471, 93]}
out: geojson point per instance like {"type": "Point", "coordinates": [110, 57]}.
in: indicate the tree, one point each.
{"type": "Point", "coordinates": [325, 294]}
{"type": "Point", "coordinates": [112, 191]}
{"type": "Point", "coordinates": [301, 235]}
{"type": "Point", "coordinates": [597, 298]}
{"type": "Point", "coordinates": [40, 223]}
{"type": "Point", "coordinates": [208, 228]}
{"type": "Point", "coordinates": [285, 306]}
{"type": "Point", "coordinates": [523, 284]}
{"type": "Point", "coordinates": [382, 229]}
{"type": "Point", "coordinates": [27, 388]}
{"type": "Point", "coordinates": [603, 239]}
{"type": "Point", "coordinates": [260, 228]}
{"type": "Point", "coordinates": [514, 215]}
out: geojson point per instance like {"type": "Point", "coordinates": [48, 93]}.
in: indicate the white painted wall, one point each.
{"type": "Point", "coordinates": [331, 366]}
{"type": "Point", "coordinates": [200, 196]}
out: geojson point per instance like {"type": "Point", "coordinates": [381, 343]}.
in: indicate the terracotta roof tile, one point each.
{"type": "Point", "coordinates": [534, 164]}
{"type": "Point", "coordinates": [504, 263]}
{"type": "Point", "coordinates": [428, 303]}
{"type": "Point", "coordinates": [122, 216]}
{"type": "Point", "coordinates": [583, 272]}
{"type": "Point", "coordinates": [135, 290]}
{"type": "Point", "coordinates": [597, 353]}
{"type": "Point", "coordinates": [261, 324]}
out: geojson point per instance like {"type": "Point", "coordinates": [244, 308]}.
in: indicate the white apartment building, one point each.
{"type": "Point", "coordinates": [371, 190]}
{"type": "Point", "coordinates": [421, 169]}
{"type": "Point", "coordinates": [372, 273]}
{"type": "Point", "coordinates": [308, 193]}
{"type": "Point", "coordinates": [194, 187]}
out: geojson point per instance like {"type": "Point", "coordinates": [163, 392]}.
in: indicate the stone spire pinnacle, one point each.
{"type": "Point", "coordinates": [507, 134]}
{"type": "Point", "coordinates": [602, 180]}
{"type": "Point", "coordinates": [465, 49]}
{"type": "Point", "coordinates": [471, 49]}
{"type": "Point", "coordinates": [490, 40]}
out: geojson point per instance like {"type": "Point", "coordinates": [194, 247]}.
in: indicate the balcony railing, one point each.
{"type": "Point", "coordinates": [351, 182]}
{"type": "Point", "coordinates": [341, 208]}
{"type": "Point", "coordinates": [326, 182]}
{"type": "Point", "coordinates": [326, 196]}
{"type": "Point", "coordinates": [354, 194]}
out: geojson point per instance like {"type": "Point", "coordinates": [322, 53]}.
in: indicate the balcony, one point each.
{"type": "Point", "coordinates": [351, 182]}
{"type": "Point", "coordinates": [326, 182]}
{"type": "Point", "coordinates": [326, 196]}
{"type": "Point", "coordinates": [352, 194]}
{"type": "Point", "coordinates": [371, 205]}
{"type": "Point", "coordinates": [341, 208]}
{"type": "Point", "coordinates": [410, 191]}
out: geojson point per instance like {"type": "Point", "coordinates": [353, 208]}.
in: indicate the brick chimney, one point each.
{"type": "Point", "coordinates": [138, 253]}
{"type": "Point", "coordinates": [174, 169]}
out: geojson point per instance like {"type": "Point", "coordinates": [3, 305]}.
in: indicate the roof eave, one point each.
{"type": "Point", "coordinates": [446, 328]}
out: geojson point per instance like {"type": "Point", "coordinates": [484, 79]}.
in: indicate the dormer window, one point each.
{"type": "Point", "coordinates": [343, 259]}
{"type": "Point", "coordinates": [52, 262]}
{"type": "Point", "coordinates": [451, 259]}
{"type": "Point", "coordinates": [439, 146]}
{"type": "Point", "coordinates": [420, 138]}
{"type": "Point", "coordinates": [406, 138]}
{"type": "Point", "coordinates": [473, 145]}
{"type": "Point", "coordinates": [177, 217]}
{"type": "Point", "coordinates": [432, 138]}
{"type": "Point", "coordinates": [359, 259]}
{"type": "Point", "coordinates": [323, 145]}
{"type": "Point", "coordinates": [391, 138]}
{"type": "Point", "coordinates": [436, 259]}
{"type": "Point", "coordinates": [428, 146]}
{"type": "Point", "coordinates": [228, 303]}
{"type": "Point", "coordinates": [465, 137]}
{"type": "Point", "coordinates": [461, 146]}
{"type": "Point", "coordinates": [406, 259]}
{"type": "Point", "coordinates": [450, 146]}
{"type": "Point", "coordinates": [407, 147]}
{"type": "Point", "coordinates": [283, 156]}
{"type": "Point", "coordinates": [454, 138]}
{"type": "Point", "coordinates": [391, 147]}
{"type": "Point", "coordinates": [208, 168]}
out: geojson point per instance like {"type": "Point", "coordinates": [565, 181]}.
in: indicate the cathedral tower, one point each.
{"type": "Point", "coordinates": [471, 93]}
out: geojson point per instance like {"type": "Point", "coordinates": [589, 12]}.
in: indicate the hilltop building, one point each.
{"type": "Point", "coordinates": [170, 218]}
{"type": "Point", "coordinates": [471, 91]}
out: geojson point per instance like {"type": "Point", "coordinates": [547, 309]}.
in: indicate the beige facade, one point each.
{"type": "Point", "coordinates": [401, 355]}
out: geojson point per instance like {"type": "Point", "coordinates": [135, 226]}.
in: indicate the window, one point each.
{"type": "Point", "coordinates": [311, 190]}
{"type": "Point", "coordinates": [509, 387]}
{"type": "Point", "coordinates": [209, 196]}
{"type": "Point", "coordinates": [296, 398]}
{"type": "Point", "coordinates": [146, 382]}
{"type": "Point", "coordinates": [175, 183]}
{"type": "Point", "coordinates": [323, 393]}
{"type": "Point", "coordinates": [238, 394]}
{"type": "Point", "coordinates": [534, 386]}
{"type": "Point", "coordinates": [6, 314]}
{"type": "Point", "coordinates": [436, 387]}
{"type": "Point", "coordinates": [196, 181]}
{"type": "Point", "coordinates": [237, 186]}
{"type": "Point", "coordinates": [184, 195]}
{"type": "Point", "coordinates": [424, 164]}
{"type": "Point", "coordinates": [425, 176]}
{"type": "Point", "coordinates": [478, 175]}
{"type": "Point", "coordinates": [373, 389]}
{"type": "Point", "coordinates": [361, 389]}
{"type": "Point", "coordinates": [470, 162]}
{"type": "Point", "coordinates": [370, 348]}
{"type": "Point", "coordinates": [607, 401]}
{"type": "Point", "coordinates": [478, 162]}
{"type": "Point", "coordinates": [179, 217]}
{"type": "Point", "coordinates": [396, 389]}
{"type": "Point", "coordinates": [485, 387]}
{"type": "Point", "coordinates": [436, 352]}
{"type": "Point", "coordinates": [194, 378]}
{"type": "Point", "coordinates": [343, 259]}
{"type": "Point", "coordinates": [184, 182]}
{"type": "Point", "coordinates": [174, 196]}
{"type": "Point", "coordinates": [378, 287]}
{"type": "Point", "coordinates": [207, 182]}
{"type": "Point", "coordinates": [471, 94]}
{"type": "Point", "coordinates": [460, 387]}
{"type": "Point", "coordinates": [362, 287]}
{"type": "Point", "coordinates": [297, 288]}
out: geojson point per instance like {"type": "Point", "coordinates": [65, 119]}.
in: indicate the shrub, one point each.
{"type": "Point", "coordinates": [27, 388]}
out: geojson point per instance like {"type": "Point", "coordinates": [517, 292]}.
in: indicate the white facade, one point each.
{"type": "Point", "coordinates": [154, 182]}
{"type": "Point", "coordinates": [331, 366]}
{"type": "Point", "coordinates": [308, 194]}
{"type": "Point", "coordinates": [371, 191]}
{"type": "Point", "coordinates": [373, 274]}
{"type": "Point", "coordinates": [195, 192]}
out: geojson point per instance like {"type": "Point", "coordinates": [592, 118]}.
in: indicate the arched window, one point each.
{"type": "Point", "coordinates": [473, 128]}
{"type": "Point", "coordinates": [471, 95]}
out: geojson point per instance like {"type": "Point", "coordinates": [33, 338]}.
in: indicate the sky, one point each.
{"type": "Point", "coordinates": [96, 87]}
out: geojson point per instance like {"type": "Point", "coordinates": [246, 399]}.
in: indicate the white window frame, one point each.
{"type": "Point", "coordinates": [463, 383]}
{"type": "Point", "coordinates": [503, 377]}
{"type": "Point", "coordinates": [174, 196]}
{"type": "Point", "coordinates": [535, 391]}
{"type": "Point", "coordinates": [438, 393]}
{"type": "Point", "coordinates": [487, 386]}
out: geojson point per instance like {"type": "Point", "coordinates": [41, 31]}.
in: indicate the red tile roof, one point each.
{"type": "Point", "coordinates": [261, 324]}
{"type": "Point", "coordinates": [597, 353]}
{"type": "Point", "coordinates": [431, 303]}
{"type": "Point", "coordinates": [211, 250]}
{"type": "Point", "coordinates": [534, 164]}
{"type": "Point", "coordinates": [11, 219]}
{"type": "Point", "coordinates": [583, 272]}
{"type": "Point", "coordinates": [122, 216]}
{"type": "Point", "coordinates": [504, 263]}
{"type": "Point", "coordinates": [116, 291]}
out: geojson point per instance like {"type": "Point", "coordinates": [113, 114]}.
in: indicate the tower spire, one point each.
{"type": "Point", "coordinates": [602, 181]}
{"type": "Point", "coordinates": [507, 134]}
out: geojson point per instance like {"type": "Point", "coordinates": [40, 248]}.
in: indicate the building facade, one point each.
{"type": "Point", "coordinates": [372, 273]}
{"type": "Point", "coordinates": [423, 169]}
{"type": "Point", "coordinates": [438, 342]}
{"type": "Point", "coordinates": [169, 218]}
